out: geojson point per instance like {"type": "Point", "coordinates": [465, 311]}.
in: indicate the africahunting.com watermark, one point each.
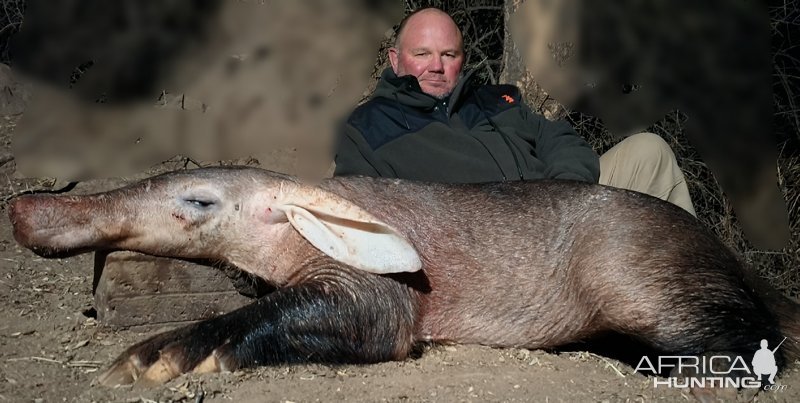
{"type": "Point", "coordinates": [721, 371]}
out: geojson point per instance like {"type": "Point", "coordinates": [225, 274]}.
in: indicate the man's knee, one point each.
{"type": "Point", "coordinates": [645, 163]}
{"type": "Point", "coordinates": [648, 148]}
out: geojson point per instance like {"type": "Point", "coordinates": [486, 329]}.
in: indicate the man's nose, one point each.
{"type": "Point", "coordinates": [436, 65]}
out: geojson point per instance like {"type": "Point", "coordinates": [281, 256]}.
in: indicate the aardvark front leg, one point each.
{"type": "Point", "coordinates": [360, 318]}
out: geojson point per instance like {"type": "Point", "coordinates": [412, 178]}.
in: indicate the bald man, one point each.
{"type": "Point", "coordinates": [427, 120]}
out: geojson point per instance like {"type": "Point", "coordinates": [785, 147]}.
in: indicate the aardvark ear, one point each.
{"type": "Point", "coordinates": [352, 236]}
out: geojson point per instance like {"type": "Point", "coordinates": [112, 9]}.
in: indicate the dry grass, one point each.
{"type": "Point", "coordinates": [782, 268]}
{"type": "Point", "coordinates": [11, 12]}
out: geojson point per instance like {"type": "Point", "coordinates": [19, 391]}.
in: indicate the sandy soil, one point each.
{"type": "Point", "coordinates": [51, 351]}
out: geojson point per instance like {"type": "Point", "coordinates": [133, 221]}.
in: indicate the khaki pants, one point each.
{"type": "Point", "coordinates": [645, 163]}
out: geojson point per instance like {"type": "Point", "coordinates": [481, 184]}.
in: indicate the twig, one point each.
{"type": "Point", "coordinates": [5, 158]}
{"type": "Point", "coordinates": [9, 27]}
{"type": "Point", "coordinates": [72, 364]}
{"type": "Point", "coordinates": [608, 364]}
{"type": "Point", "coordinates": [35, 359]}
{"type": "Point", "coordinates": [85, 364]}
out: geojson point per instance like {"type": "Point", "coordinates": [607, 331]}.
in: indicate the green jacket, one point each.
{"type": "Point", "coordinates": [478, 134]}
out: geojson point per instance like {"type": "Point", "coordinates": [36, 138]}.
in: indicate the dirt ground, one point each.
{"type": "Point", "coordinates": [51, 350]}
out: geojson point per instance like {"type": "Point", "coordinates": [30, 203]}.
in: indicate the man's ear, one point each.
{"type": "Point", "coordinates": [394, 55]}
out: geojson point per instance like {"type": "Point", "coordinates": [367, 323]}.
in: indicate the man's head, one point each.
{"type": "Point", "coordinates": [429, 46]}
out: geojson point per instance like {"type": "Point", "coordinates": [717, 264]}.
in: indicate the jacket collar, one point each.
{"type": "Point", "coordinates": [406, 90]}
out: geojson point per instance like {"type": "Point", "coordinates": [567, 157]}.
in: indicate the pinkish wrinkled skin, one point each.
{"type": "Point", "coordinates": [225, 215]}
{"type": "Point", "coordinates": [533, 265]}
{"type": "Point", "coordinates": [214, 215]}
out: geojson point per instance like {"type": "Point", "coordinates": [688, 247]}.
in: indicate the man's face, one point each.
{"type": "Point", "coordinates": [430, 49]}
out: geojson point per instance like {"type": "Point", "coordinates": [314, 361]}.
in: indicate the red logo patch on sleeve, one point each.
{"type": "Point", "coordinates": [508, 98]}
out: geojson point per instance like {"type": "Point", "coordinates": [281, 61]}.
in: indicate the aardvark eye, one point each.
{"type": "Point", "coordinates": [201, 203]}
{"type": "Point", "coordinates": [197, 202]}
